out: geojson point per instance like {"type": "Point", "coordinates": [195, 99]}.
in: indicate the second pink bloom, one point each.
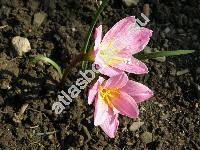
{"type": "Point", "coordinates": [116, 95]}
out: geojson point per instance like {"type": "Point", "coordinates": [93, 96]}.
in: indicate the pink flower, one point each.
{"type": "Point", "coordinates": [114, 96]}
{"type": "Point", "coordinates": [114, 52]}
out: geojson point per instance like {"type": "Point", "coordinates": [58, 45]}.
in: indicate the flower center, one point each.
{"type": "Point", "coordinates": [109, 54]}
{"type": "Point", "coordinates": [109, 94]}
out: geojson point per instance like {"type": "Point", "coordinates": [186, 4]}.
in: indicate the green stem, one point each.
{"type": "Point", "coordinates": [94, 21]}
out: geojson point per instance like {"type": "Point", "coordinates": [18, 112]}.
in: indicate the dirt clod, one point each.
{"type": "Point", "coordinates": [146, 137]}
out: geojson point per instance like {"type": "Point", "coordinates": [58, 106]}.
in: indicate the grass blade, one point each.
{"type": "Point", "coordinates": [163, 53]}
{"type": "Point", "coordinates": [50, 61]}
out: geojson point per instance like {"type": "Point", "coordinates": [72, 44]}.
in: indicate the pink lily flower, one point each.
{"type": "Point", "coordinates": [116, 95]}
{"type": "Point", "coordinates": [113, 53]}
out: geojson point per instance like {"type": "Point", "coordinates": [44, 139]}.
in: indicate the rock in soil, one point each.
{"type": "Point", "coordinates": [135, 126]}
{"type": "Point", "coordinates": [130, 2]}
{"type": "Point", "coordinates": [21, 45]}
{"type": "Point", "coordinates": [39, 18]}
{"type": "Point", "coordinates": [146, 137]}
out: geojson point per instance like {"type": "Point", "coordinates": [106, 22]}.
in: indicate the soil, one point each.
{"type": "Point", "coordinates": [171, 118]}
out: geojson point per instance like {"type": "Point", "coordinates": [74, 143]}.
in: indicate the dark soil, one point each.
{"type": "Point", "coordinates": [172, 116]}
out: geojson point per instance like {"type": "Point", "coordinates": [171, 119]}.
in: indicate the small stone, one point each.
{"type": "Point", "coordinates": [48, 45]}
{"type": "Point", "coordinates": [167, 30]}
{"type": "Point", "coordinates": [165, 116]}
{"type": "Point", "coordinates": [196, 105]}
{"type": "Point", "coordinates": [166, 43]}
{"type": "Point", "coordinates": [173, 71]}
{"type": "Point", "coordinates": [146, 137]}
{"type": "Point", "coordinates": [135, 126]}
{"type": "Point", "coordinates": [130, 2]}
{"type": "Point", "coordinates": [147, 50]}
{"type": "Point", "coordinates": [182, 72]}
{"type": "Point", "coordinates": [39, 18]}
{"type": "Point", "coordinates": [173, 109]}
{"type": "Point", "coordinates": [73, 29]}
{"type": "Point", "coordinates": [21, 45]}
{"type": "Point", "coordinates": [161, 59]}
{"type": "Point", "coordinates": [5, 84]}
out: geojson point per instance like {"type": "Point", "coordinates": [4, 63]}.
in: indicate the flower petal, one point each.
{"type": "Point", "coordinates": [101, 111]}
{"type": "Point", "coordinates": [132, 66]}
{"type": "Point", "coordinates": [119, 28]}
{"type": "Point", "coordinates": [117, 81]}
{"type": "Point", "coordinates": [138, 91]}
{"type": "Point", "coordinates": [139, 39]}
{"type": "Point", "coordinates": [111, 123]}
{"type": "Point", "coordinates": [109, 71]}
{"type": "Point", "coordinates": [126, 105]}
{"type": "Point", "coordinates": [133, 41]}
{"type": "Point", "coordinates": [97, 37]}
{"type": "Point", "coordinates": [94, 89]}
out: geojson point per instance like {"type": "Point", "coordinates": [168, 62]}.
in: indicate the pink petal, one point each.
{"type": "Point", "coordinates": [140, 39]}
{"type": "Point", "coordinates": [126, 105]}
{"type": "Point", "coordinates": [110, 124]}
{"type": "Point", "coordinates": [133, 41]}
{"type": "Point", "coordinates": [117, 81]}
{"type": "Point", "coordinates": [94, 89]}
{"type": "Point", "coordinates": [138, 91]}
{"type": "Point", "coordinates": [133, 66]}
{"type": "Point", "coordinates": [101, 111]}
{"type": "Point", "coordinates": [97, 37]}
{"type": "Point", "coordinates": [109, 71]}
{"type": "Point", "coordinates": [119, 28]}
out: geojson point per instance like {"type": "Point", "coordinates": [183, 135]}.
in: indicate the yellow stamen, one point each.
{"type": "Point", "coordinates": [109, 54]}
{"type": "Point", "coordinates": [109, 94]}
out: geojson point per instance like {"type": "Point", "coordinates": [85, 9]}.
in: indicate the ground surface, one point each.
{"type": "Point", "coordinates": [171, 118]}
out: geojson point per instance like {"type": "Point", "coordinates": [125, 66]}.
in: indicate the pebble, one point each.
{"type": "Point", "coordinates": [196, 105]}
{"type": "Point", "coordinates": [130, 2]}
{"type": "Point", "coordinates": [166, 43]}
{"type": "Point", "coordinates": [173, 71]}
{"type": "Point", "coordinates": [165, 116]}
{"type": "Point", "coordinates": [39, 18]}
{"type": "Point", "coordinates": [173, 109]}
{"type": "Point", "coordinates": [146, 137]}
{"type": "Point", "coordinates": [21, 45]}
{"type": "Point", "coordinates": [182, 72]}
{"type": "Point", "coordinates": [167, 30]}
{"type": "Point", "coordinates": [5, 84]}
{"type": "Point", "coordinates": [160, 59]}
{"type": "Point", "coordinates": [147, 50]}
{"type": "Point", "coordinates": [135, 126]}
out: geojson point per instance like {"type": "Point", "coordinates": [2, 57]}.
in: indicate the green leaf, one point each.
{"type": "Point", "coordinates": [163, 53]}
{"type": "Point", "coordinates": [94, 21]}
{"type": "Point", "coordinates": [50, 61]}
